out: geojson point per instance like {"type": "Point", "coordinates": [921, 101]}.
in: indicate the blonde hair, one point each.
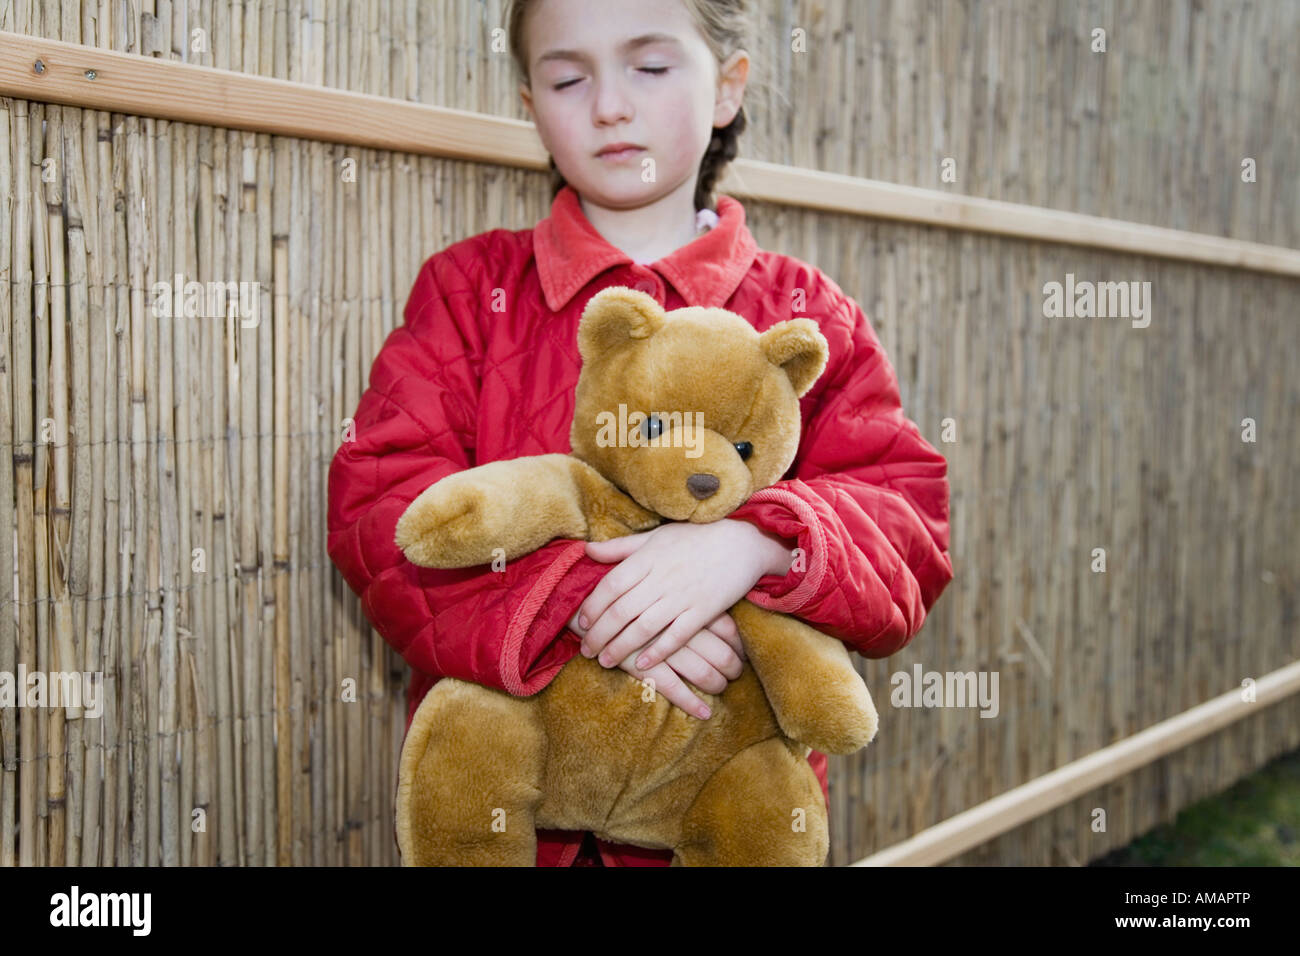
{"type": "Point", "coordinates": [725, 27]}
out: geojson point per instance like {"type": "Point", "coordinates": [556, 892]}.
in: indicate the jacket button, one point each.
{"type": "Point", "coordinates": [647, 284]}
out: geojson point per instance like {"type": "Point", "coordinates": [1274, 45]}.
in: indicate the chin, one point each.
{"type": "Point", "coordinates": [614, 191]}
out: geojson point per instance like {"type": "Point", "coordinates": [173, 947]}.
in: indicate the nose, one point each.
{"type": "Point", "coordinates": [701, 486]}
{"type": "Point", "coordinates": [611, 103]}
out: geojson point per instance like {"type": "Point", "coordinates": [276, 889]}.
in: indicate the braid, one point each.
{"type": "Point", "coordinates": [723, 147]}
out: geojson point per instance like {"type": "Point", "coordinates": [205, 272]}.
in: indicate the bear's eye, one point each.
{"type": "Point", "coordinates": [745, 449]}
{"type": "Point", "coordinates": [652, 426]}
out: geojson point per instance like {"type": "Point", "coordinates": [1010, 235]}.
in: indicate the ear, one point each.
{"type": "Point", "coordinates": [614, 317]}
{"type": "Point", "coordinates": [799, 349]}
{"type": "Point", "coordinates": [526, 97]}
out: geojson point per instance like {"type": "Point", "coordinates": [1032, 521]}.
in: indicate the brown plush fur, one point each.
{"type": "Point", "coordinates": [597, 749]}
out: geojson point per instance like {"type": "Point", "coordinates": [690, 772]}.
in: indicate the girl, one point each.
{"type": "Point", "coordinates": [639, 105]}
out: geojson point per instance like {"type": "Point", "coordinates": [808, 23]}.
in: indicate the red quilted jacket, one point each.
{"type": "Point", "coordinates": [484, 368]}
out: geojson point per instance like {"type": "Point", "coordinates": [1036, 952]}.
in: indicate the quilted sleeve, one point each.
{"type": "Point", "coordinates": [866, 501]}
{"type": "Point", "coordinates": [417, 422]}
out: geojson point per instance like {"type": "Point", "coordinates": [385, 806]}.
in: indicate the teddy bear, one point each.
{"type": "Point", "coordinates": [715, 417]}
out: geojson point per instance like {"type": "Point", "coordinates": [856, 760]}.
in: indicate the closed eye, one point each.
{"type": "Point", "coordinates": [655, 70]}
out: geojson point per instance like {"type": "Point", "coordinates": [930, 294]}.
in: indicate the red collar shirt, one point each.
{"type": "Point", "coordinates": [484, 369]}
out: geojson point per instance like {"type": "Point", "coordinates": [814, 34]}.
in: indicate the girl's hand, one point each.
{"type": "Point", "coordinates": [670, 583]}
{"type": "Point", "coordinates": [709, 660]}
{"type": "Point", "coordinates": [713, 657]}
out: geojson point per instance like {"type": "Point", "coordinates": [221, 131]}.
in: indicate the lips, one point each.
{"type": "Point", "coordinates": [617, 151]}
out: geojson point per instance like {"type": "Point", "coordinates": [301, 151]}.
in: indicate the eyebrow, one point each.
{"type": "Point", "coordinates": [626, 46]}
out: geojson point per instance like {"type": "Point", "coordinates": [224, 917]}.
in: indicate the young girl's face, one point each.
{"type": "Point", "coordinates": [626, 71]}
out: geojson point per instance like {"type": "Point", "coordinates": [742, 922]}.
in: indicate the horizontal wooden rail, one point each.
{"type": "Point", "coordinates": [792, 186]}
{"type": "Point", "coordinates": [55, 72]}
{"type": "Point", "coordinates": [1006, 811]}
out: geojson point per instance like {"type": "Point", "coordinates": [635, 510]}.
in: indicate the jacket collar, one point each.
{"type": "Point", "coordinates": [705, 271]}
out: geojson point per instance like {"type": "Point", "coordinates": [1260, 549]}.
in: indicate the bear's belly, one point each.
{"type": "Point", "coordinates": [599, 716]}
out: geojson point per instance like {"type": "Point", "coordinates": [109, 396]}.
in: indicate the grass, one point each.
{"type": "Point", "coordinates": [1254, 823]}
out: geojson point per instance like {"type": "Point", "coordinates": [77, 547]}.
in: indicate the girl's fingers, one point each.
{"type": "Point", "coordinates": [611, 589]}
{"type": "Point", "coordinates": [675, 636]}
{"type": "Point", "coordinates": [665, 681]}
{"type": "Point", "coordinates": [639, 632]}
{"type": "Point", "coordinates": [724, 625]}
{"type": "Point", "coordinates": [720, 655]}
{"type": "Point", "coordinates": [610, 623]}
{"type": "Point", "coordinates": [698, 670]}
{"type": "Point", "coordinates": [616, 549]}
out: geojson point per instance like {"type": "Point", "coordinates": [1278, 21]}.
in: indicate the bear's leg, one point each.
{"type": "Point", "coordinates": [818, 697]}
{"type": "Point", "coordinates": [469, 782]}
{"type": "Point", "coordinates": [763, 807]}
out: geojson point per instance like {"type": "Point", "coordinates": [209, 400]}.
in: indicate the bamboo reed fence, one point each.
{"type": "Point", "coordinates": [169, 474]}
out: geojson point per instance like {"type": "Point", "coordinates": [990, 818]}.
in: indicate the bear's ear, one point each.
{"type": "Point", "coordinates": [798, 348]}
{"type": "Point", "coordinates": [615, 316]}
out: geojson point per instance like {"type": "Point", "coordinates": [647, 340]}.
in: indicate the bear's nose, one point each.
{"type": "Point", "coordinates": [701, 486]}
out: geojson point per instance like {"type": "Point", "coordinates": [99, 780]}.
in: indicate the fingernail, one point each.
{"type": "Point", "coordinates": [704, 712]}
{"type": "Point", "coordinates": [583, 622]}
{"type": "Point", "coordinates": [643, 661]}
{"type": "Point", "coordinates": [604, 660]}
